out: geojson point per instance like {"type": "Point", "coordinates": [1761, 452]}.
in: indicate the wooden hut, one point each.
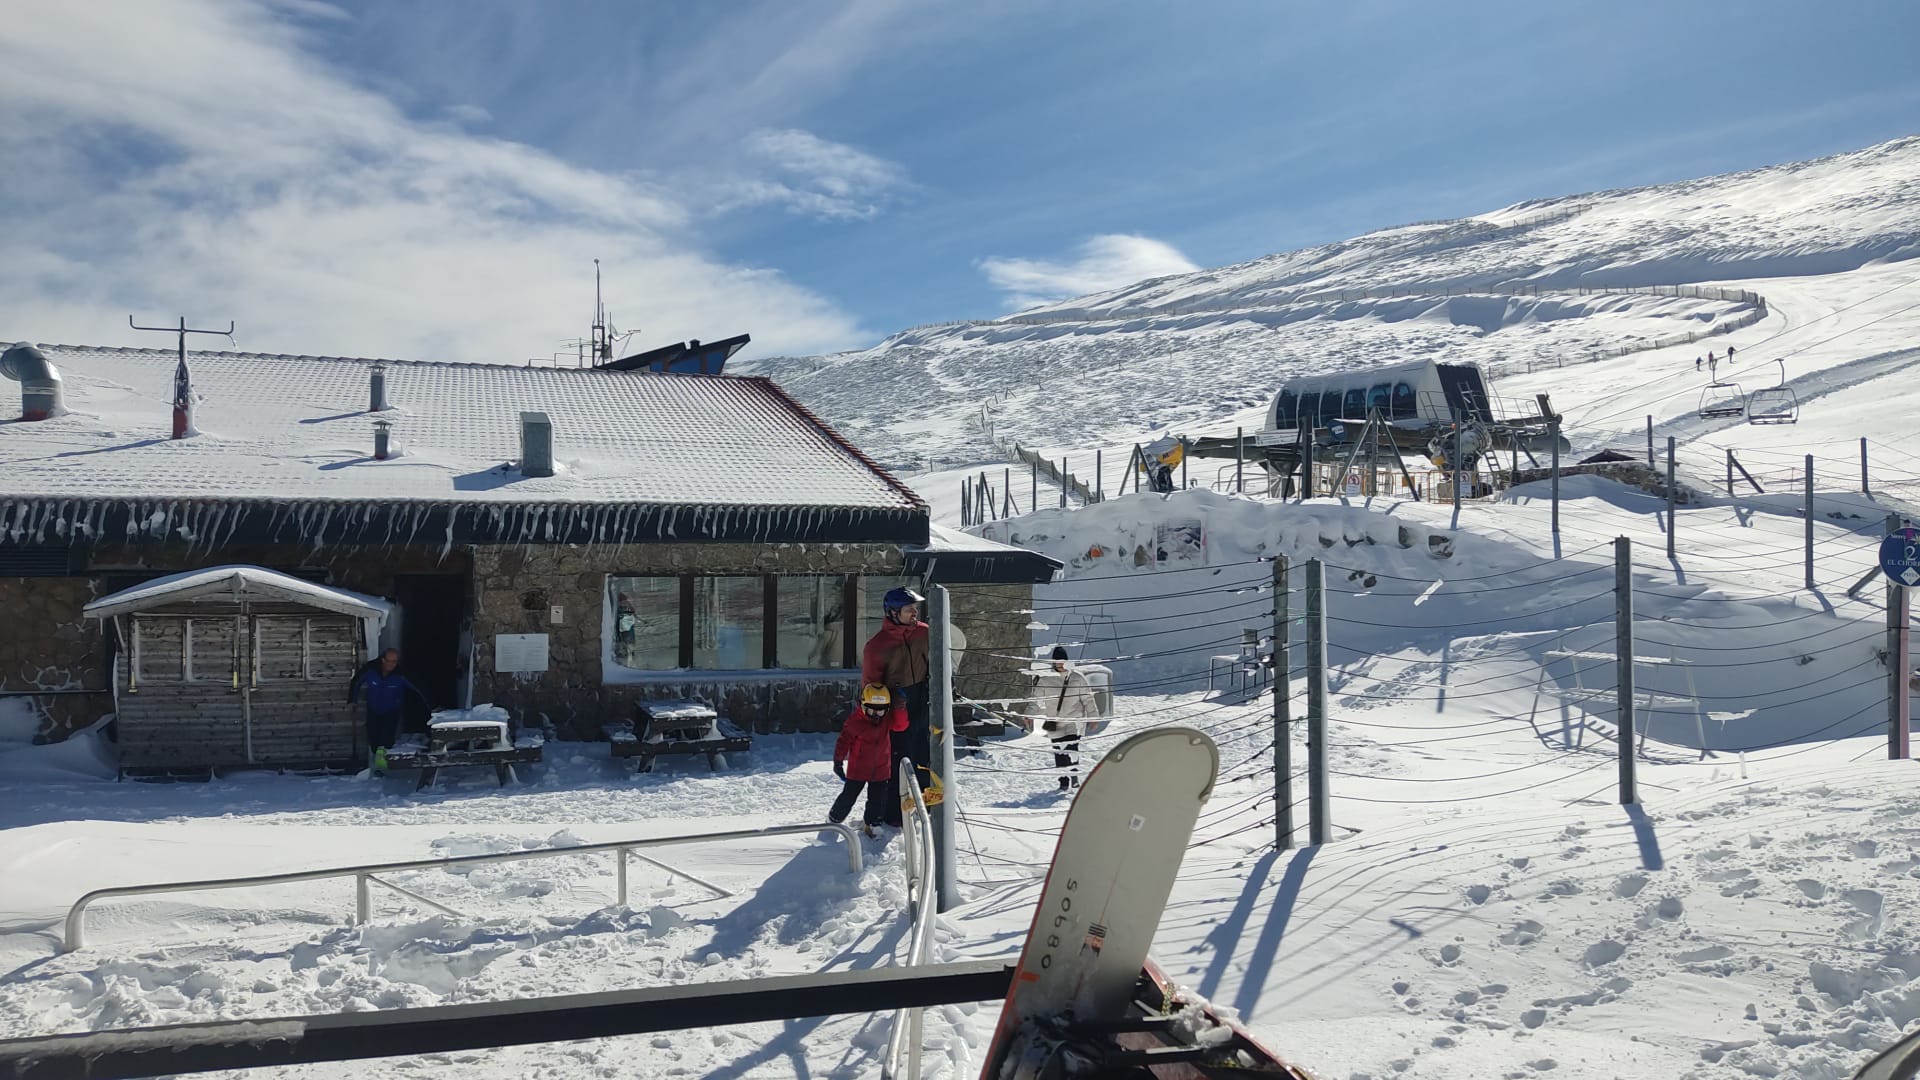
{"type": "Point", "coordinates": [235, 666]}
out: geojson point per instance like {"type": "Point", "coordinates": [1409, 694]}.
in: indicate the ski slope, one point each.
{"type": "Point", "coordinates": [1486, 909]}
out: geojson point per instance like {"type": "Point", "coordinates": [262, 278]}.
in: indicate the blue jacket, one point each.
{"type": "Point", "coordinates": [385, 693]}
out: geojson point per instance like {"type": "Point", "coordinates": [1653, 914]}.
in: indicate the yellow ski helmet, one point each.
{"type": "Point", "coordinates": [875, 694]}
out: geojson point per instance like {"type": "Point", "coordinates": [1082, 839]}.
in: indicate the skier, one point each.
{"type": "Point", "coordinates": [1729, 356]}
{"type": "Point", "coordinates": [896, 657]}
{"type": "Point", "coordinates": [863, 758]}
{"type": "Point", "coordinates": [1696, 363]}
{"type": "Point", "coordinates": [1065, 698]}
{"type": "Point", "coordinates": [386, 701]}
{"type": "Point", "coordinates": [626, 630]}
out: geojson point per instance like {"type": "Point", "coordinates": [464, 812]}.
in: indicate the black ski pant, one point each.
{"type": "Point", "coordinates": [914, 744]}
{"type": "Point", "coordinates": [876, 801]}
{"type": "Point", "coordinates": [382, 729]}
{"type": "Point", "coordinates": [1065, 746]}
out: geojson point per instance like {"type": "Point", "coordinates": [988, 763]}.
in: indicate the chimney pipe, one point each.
{"type": "Point", "coordinates": [536, 444]}
{"type": "Point", "coordinates": [39, 382]}
{"type": "Point", "coordinates": [380, 430]}
{"type": "Point", "coordinates": [377, 389]}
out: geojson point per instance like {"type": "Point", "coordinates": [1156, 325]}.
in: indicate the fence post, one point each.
{"type": "Point", "coordinates": [1623, 652]}
{"type": "Point", "coordinates": [1809, 525]}
{"type": "Point", "coordinates": [940, 720]}
{"type": "Point", "coordinates": [1729, 472]}
{"type": "Point", "coordinates": [1306, 464]}
{"type": "Point", "coordinates": [1006, 491]}
{"type": "Point", "coordinates": [1282, 706]}
{"type": "Point", "coordinates": [1183, 463]}
{"type": "Point", "coordinates": [1865, 488]}
{"type": "Point", "coordinates": [1099, 479]}
{"type": "Point", "coordinates": [1239, 460]}
{"type": "Point", "coordinates": [1650, 463]}
{"type": "Point", "coordinates": [1063, 483]}
{"type": "Point", "coordinates": [1673, 500]}
{"type": "Point", "coordinates": [1898, 707]}
{"type": "Point", "coordinates": [966, 504]}
{"type": "Point", "coordinates": [1033, 493]}
{"type": "Point", "coordinates": [1319, 803]}
{"type": "Point", "coordinates": [1553, 433]}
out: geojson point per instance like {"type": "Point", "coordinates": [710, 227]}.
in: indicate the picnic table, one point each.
{"type": "Point", "coordinates": [660, 728]}
{"type": "Point", "coordinates": [460, 738]}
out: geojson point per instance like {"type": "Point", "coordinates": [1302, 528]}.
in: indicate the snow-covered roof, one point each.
{"type": "Point", "coordinates": [238, 583]}
{"type": "Point", "coordinates": [952, 557]}
{"type": "Point", "coordinates": [294, 430]}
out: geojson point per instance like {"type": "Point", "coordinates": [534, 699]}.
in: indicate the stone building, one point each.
{"type": "Point", "coordinates": [562, 542]}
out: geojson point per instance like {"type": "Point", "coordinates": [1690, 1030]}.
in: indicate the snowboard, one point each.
{"type": "Point", "coordinates": [1113, 869]}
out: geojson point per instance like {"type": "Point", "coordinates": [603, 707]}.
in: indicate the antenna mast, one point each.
{"type": "Point", "coordinates": [182, 379]}
{"type": "Point", "coordinates": [602, 342]}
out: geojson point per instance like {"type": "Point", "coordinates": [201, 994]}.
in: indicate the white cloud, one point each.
{"type": "Point", "coordinates": [195, 158]}
{"type": "Point", "coordinates": [1105, 262]}
{"type": "Point", "coordinates": [815, 177]}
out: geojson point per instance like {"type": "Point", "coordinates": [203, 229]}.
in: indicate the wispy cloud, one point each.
{"type": "Point", "coordinates": [1104, 262]}
{"type": "Point", "coordinates": [198, 158]}
{"type": "Point", "coordinates": [812, 176]}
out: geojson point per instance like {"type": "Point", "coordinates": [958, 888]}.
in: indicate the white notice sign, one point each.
{"type": "Point", "coordinates": [519, 652]}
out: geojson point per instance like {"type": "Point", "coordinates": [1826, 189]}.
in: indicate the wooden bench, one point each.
{"type": "Point", "coordinates": [660, 728]}
{"type": "Point", "coordinates": [463, 744]}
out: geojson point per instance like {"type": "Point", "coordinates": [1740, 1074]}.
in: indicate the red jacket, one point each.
{"type": "Point", "coordinates": [866, 747]}
{"type": "Point", "coordinates": [895, 655]}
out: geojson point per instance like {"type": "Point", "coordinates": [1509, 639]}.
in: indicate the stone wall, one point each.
{"type": "Point", "coordinates": [994, 618]}
{"type": "Point", "coordinates": [1636, 474]}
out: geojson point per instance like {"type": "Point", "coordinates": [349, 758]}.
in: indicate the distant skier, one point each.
{"type": "Point", "coordinates": [896, 657]}
{"type": "Point", "coordinates": [1729, 356]}
{"type": "Point", "coordinates": [387, 691]}
{"type": "Point", "coordinates": [1696, 363]}
{"type": "Point", "coordinates": [863, 758]}
{"type": "Point", "coordinates": [1065, 699]}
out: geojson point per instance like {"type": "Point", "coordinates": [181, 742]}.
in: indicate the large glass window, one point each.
{"type": "Point", "coordinates": [1404, 406]}
{"type": "Point", "coordinates": [1284, 410]}
{"type": "Point", "coordinates": [812, 622]}
{"type": "Point", "coordinates": [646, 622]}
{"type": "Point", "coordinates": [1329, 407]}
{"type": "Point", "coordinates": [1354, 405]}
{"type": "Point", "coordinates": [729, 623]}
{"type": "Point", "coordinates": [1381, 398]}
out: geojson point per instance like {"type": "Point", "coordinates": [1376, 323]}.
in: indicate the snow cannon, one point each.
{"type": "Point", "coordinates": [1158, 459]}
{"type": "Point", "coordinates": [1459, 447]}
{"type": "Point", "coordinates": [39, 382]}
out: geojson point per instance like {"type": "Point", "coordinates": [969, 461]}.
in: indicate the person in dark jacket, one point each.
{"type": "Point", "coordinates": [387, 692]}
{"type": "Point", "coordinates": [863, 758]}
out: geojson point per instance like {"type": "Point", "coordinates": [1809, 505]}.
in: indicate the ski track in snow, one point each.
{"type": "Point", "coordinates": [1485, 909]}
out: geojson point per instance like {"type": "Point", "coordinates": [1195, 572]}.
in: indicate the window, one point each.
{"type": "Point", "coordinates": [1354, 405]}
{"type": "Point", "coordinates": [741, 622]}
{"type": "Point", "coordinates": [1329, 407]}
{"type": "Point", "coordinates": [1404, 407]}
{"type": "Point", "coordinates": [1284, 410]}
{"type": "Point", "coordinates": [210, 650]}
{"type": "Point", "coordinates": [729, 623]}
{"type": "Point", "coordinates": [811, 627]}
{"type": "Point", "coordinates": [1381, 398]}
{"type": "Point", "coordinates": [646, 622]}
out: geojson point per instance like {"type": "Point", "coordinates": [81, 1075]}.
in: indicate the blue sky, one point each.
{"type": "Point", "coordinates": [425, 178]}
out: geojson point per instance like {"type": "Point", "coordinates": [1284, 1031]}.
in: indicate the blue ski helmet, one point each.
{"type": "Point", "coordinates": [899, 598]}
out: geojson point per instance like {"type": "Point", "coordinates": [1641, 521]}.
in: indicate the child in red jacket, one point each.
{"type": "Point", "coordinates": [864, 755]}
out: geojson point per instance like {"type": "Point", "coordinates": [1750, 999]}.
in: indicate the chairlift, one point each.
{"type": "Point", "coordinates": [1774, 404]}
{"type": "Point", "coordinates": [1722, 399]}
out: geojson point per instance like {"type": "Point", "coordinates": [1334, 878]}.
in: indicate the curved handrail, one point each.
{"type": "Point", "coordinates": [918, 837]}
{"type": "Point", "coordinates": [73, 937]}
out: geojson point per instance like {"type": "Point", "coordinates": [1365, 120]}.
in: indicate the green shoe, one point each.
{"type": "Point", "coordinates": [380, 758]}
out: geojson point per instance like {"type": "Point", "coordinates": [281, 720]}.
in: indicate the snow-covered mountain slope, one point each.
{"type": "Point", "coordinates": [1543, 285]}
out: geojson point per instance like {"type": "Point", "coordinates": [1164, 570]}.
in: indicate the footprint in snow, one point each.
{"type": "Point", "coordinates": [1629, 886]}
{"type": "Point", "coordinates": [1524, 932]}
{"type": "Point", "coordinates": [1602, 953]}
{"type": "Point", "coordinates": [1811, 889]}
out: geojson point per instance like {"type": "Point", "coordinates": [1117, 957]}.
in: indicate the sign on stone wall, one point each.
{"type": "Point", "coordinates": [519, 652]}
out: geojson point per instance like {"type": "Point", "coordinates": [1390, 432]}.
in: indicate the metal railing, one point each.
{"type": "Point", "coordinates": [907, 1033]}
{"type": "Point", "coordinates": [364, 876]}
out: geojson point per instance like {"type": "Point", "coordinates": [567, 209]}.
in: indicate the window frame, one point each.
{"type": "Point", "coordinates": [852, 620]}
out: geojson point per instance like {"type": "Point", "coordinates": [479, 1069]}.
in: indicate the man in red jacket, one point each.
{"type": "Point", "coordinates": [864, 756]}
{"type": "Point", "coordinates": [896, 657]}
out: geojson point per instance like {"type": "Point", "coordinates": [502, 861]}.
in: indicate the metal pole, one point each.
{"type": "Point", "coordinates": [1306, 464]}
{"type": "Point", "coordinates": [1063, 483]}
{"type": "Point", "coordinates": [620, 874]}
{"type": "Point", "coordinates": [1319, 803]}
{"type": "Point", "coordinates": [1673, 498]}
{"type": "Point", "coordinates": [940, 683]}
{"type": "Point", "coordinates": [1033, 493]}
{"type": "Point", "coordinates": [1183, 463]}
{"type": "Point", "coordinates": [1239, 461]}
{"type": "Point", "coordinates": [966, 506]}
{"type": "Point", "coordinates": [1729, 472]}
{"type": "Point", "coordinates": [1899, 720]}
{"type": "Point", "coordinates": [1865, 488]}
{"type": "Point", "coordinates": [1553, 433]}
{"type": "Point", "coordinates": [1623, 660]}
{"type": "Point", "coordinates": [1809, 515]}
{"type": "Point", "coordinates": [1282, 722]}
{"type": "Point", "coordinates": [1453, 462]}
{"type": "Point", "coordinates": [1650, 463]}
{"type": "Point", "coordinates": [1099, 479]}
{"type": "Point", "coordinates": [1006, 490]}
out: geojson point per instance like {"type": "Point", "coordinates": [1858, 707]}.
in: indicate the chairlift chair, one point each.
{"type": "Point", "coordinates": [1774, 404]}
{"type": "Point", "coordinates": [1722, 399]}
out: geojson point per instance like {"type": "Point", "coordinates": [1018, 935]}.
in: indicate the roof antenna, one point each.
{"type": "Point", "coordinates": [602, 342]}
{"type": "Point", "coordinates": [182, 381]}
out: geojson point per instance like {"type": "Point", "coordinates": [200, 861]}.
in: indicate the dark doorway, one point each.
{"type": "Point", "coordinates": [433, 608]}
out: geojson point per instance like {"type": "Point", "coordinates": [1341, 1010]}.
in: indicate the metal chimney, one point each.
{"type": "Point", "coordinates": [381, 428]}
{"type": "Point", "coordinates": [39, 382]}
{"type": "Point", "coordinates": [377, 389]}
{"type": "Point", "coordinates": [536, 444]}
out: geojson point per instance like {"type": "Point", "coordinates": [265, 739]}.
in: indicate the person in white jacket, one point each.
{"type": "Point", "coordinates": [1064, 698]}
